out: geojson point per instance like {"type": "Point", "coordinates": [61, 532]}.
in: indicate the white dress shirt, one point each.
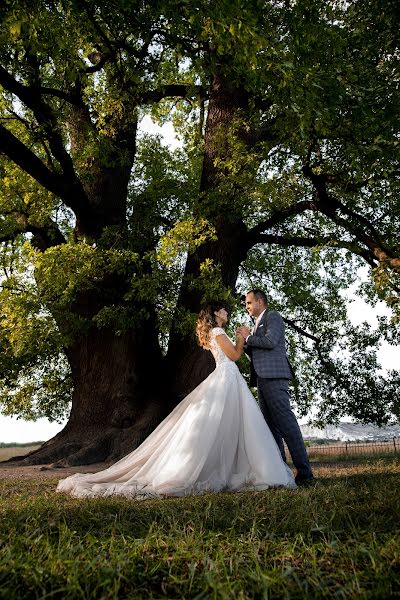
{"type": "Point", "coordinates": [260, 316]}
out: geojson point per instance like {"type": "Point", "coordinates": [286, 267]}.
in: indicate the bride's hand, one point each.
{"type": "Point", "coordinates": [244, 331]}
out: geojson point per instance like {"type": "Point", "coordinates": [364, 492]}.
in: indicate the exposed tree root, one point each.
{"type": "Point", "coordinates": [85, 447]}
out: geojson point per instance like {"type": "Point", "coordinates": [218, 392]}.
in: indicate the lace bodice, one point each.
{"type": "Point", "coordinates": [217, 352]}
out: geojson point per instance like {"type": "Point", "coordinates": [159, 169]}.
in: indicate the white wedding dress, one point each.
{"type": "Point", "coordinates": [216, 439]}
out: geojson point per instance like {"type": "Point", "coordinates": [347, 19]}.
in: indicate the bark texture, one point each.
{"type": "Point", "coordinates": [189, 363]}
{"type": "Point", "coordinates": [119, 398]}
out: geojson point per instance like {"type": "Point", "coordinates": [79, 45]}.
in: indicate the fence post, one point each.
{"type": "Point", "coordinates": [346, 447]}
{"type": "Point", "coordinates": [394, 443]}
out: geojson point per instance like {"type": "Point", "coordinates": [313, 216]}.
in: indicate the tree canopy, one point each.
{"type": "Point", "coordinates": [286, 178]}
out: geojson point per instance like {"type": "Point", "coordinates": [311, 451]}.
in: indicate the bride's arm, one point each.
{"type": "Point", "coordinates": [234, 352]}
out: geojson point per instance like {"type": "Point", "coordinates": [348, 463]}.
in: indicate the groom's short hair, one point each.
{"type": "Point", "coordinates": [259, 295]}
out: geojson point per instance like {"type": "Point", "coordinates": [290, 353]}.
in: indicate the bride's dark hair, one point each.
{"type": "Point", "coordinates": [206, 321]}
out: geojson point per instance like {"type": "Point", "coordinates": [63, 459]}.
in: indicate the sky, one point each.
{"type": "Point", "coordinates": [19, 431]}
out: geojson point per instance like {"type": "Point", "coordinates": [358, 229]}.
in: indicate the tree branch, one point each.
{"type": "Point", "coordinates": [356, 224]}
{"type": "Point", "coordinates": [296, 327]}
{"type": "Point", "coordinates": [43, 237]}
{"type": "Point", "coordinates": [46, 237]}
{"type": "Point", "coordinates": [315, 242]}
{"type": "Point", "coordinates": [9, 237]}
{"type": "Point", "coordinates": [277, 218]}
{"type": "Point", "coordinates": [111, 51]}
{"type": "Point", "coordinates": [69, 190]}
{"type": "Point", "coordinates": [29, 162]}
{"type": "Point", "coordinates": [99, 60]}
{"type": "Point", "coordinates": [73, 99]}
{"type": "Point", "coordinates": [44, 115]}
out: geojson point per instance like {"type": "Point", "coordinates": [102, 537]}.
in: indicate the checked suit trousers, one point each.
{"type": "Point", "coordinates": [274, 403]}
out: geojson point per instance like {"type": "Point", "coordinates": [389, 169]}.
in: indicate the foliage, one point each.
{"type": "Point", "coordinates": [184, 237]}
{"type": "Point", "coordinates": [98, 235]}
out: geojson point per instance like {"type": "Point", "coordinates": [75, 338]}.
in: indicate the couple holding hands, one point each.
{"type": "Point", "coordinates": [218, 438]}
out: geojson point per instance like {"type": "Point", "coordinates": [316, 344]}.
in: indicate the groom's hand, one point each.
{"type": "Point", "coordinates": [244, 331]}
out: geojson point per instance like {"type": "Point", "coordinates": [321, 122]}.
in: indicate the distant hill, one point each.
{"type": "Point", "coordinates": [350, 432]}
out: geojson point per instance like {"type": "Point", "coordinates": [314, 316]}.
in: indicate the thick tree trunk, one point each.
{"type": "Point", "coordinates": [119, 398]}
{"type": "Point", "coordinates": [119, 391]}
{"type": "Point", "coordinates": [188, 363]}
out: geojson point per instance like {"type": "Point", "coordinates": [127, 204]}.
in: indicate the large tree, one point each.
{"type": "Point", "coordinates": [287, 177]}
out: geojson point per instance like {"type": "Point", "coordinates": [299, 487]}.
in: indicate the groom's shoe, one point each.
{"type": "Point", "coordinates": [303, 480]}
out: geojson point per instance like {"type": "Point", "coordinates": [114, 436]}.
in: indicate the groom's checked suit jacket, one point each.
{"type": "Point", "coordinates": [267, 349]}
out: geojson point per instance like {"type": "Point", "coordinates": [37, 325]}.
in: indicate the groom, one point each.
{"type": "Point", "coordinates": [271, 372]}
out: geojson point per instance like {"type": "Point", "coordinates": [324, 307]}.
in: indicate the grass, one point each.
{"type": "Point", "coordinates": [351, 457]}
{"type": "Point", "coordinates": [349, 451]}
{"type": "Point", "coordinates": [338, 539]}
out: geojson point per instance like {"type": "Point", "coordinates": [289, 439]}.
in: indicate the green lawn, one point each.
{"type": "Point", "coordinates": [338, 539]}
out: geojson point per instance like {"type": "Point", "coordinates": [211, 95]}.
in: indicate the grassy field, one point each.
{"type": "Point", "coordinates": [337, 539]}
{"type": "Point", "coordinates": [351, 450]}
{"type": "Point", "coordinates": [6, 453]}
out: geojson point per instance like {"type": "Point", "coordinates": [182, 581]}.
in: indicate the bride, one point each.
{"type": "Point", "coordinates": [215, 440]}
